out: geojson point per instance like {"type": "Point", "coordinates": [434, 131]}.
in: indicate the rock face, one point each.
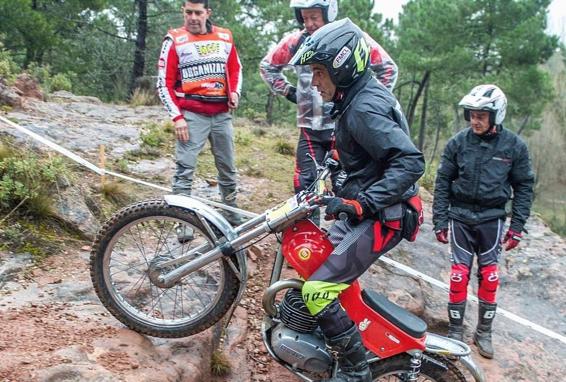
{"type": "Point", "coordinates": [9, 95]}
{"type": "Point", "coordinates": [71, 207]}
{"type": "Point", "coordinates": [28, 87]}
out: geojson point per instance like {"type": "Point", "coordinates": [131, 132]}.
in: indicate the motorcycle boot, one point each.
{"type": "Point", "coordinates": [456, 320]}
{"type": "Point", "coordinates": [344, 342]}
{"type": "Point", "coordinates": [482, 336]}
{"type": "Point", "coordinates": [185, 233]}
{"type": "Point", "coordinates": [228, 195]}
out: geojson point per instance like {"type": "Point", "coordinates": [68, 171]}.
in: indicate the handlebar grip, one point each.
{"type": "Point", "coordinates": [343, 216]}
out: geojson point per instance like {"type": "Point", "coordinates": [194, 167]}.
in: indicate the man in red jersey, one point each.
{"type": "Point", "coordinates": [199, 81]}
{"type": "Point", "coordinates": [313, 114]}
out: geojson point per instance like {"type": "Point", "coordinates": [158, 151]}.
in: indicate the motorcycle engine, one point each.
{"type": "Point", "coordinates": [297, 339]}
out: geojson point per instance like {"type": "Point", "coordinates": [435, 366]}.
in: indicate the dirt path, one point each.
{"type": "Point", "coordinates": [53, 328]}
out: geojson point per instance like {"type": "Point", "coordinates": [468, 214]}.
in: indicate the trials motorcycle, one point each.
{"type": "Point", "coordinates": [160, 287]}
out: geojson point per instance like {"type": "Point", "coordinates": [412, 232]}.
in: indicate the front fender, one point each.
{"type": "Point", "coordinates": [203, 211]}
{"type": "Point", "coordinates": [215, 219]}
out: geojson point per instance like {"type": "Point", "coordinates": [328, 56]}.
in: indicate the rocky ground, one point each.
{"type": "Point", "coordinates": [53, 328]}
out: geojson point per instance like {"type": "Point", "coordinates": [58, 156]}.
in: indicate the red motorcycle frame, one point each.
{"type": "Point", "coordinates": [305, 246]}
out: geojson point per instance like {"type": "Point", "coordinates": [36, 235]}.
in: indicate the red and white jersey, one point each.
{"type": "Point", "coordinates": [198, 72]}
{"type": "Point", "coordinates": [312, 111]}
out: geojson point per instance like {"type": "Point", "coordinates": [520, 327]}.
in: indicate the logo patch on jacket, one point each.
{"type": "Point", "coordinates": [208, 49]}
{"type": "Point", "coordinates": [224, 36]}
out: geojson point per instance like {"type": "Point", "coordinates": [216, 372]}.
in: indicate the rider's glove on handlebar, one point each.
{"type": "Point", "coordinates": [352, 208]}
{"type": "Point", "coordinates": [291, 94]}
{"type": "Point", "coordinates": [442, 235]}
{"type": "Point", "coordinates": [512, 239]}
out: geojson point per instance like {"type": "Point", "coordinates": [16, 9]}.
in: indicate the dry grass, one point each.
{"type": "Point", "coordinates": [219, 364]}
{"type": "Point", "coordinates": [116, 192]}
{"type": "Point", "coordinates": [142, 97]}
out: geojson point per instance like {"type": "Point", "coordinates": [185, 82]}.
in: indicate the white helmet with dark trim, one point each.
{"type": "Point", "coordinates": [329, 8]}
{"type": "Point", "coordinates": [486, 98]}
{"type": "Point", "coordinates": [339, 46]}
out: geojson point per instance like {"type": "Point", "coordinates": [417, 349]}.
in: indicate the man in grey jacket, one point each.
{"type": "Point", "coordinates": [482, 167]}
{"type": "Point", "coordinates": [378, 193]}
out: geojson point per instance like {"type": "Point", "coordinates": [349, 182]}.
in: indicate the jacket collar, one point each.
{"type": "Point", "coordinates": [343, 97]}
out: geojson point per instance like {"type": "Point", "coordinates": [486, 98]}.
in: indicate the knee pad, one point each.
{"type": "Point", "coordinates": [318, 294]}
{"type": "Point", "coordinates": [459, 277]}
{"type": "Point", "coordinates": [488, 278]}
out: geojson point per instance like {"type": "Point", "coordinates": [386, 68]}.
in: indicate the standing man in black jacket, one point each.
{"type": "Point", "coordinates": [381, 164]}
{"type": "Point", "coordinates": [482, 167]}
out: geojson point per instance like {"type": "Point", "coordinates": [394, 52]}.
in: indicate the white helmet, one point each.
{"type": "Point", "coordinates": [329, 8]}
{"type": "Point", "coordinates": [486, 98]}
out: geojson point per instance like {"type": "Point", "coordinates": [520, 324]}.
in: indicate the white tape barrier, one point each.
{"type": "Point", "coordinates": [474, 298]}
{"type": "Point", "coordinates": [385, 259]}
{"type": "Point", "coordinates": [101, 171]}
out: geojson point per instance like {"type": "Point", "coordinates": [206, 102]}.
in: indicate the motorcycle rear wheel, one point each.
{"type": "Point", "coordinates": [397, 368]}
{"type": "Point", "coordinates": [122, 269]}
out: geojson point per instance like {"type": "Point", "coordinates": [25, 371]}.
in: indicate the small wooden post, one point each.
{"type": "Point", "coordinates": [102, 164]}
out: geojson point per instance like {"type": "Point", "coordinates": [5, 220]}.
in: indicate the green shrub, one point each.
{"type": "Point", "coordinates": [8, 68]}
{"type": "Point", "coordinates": [60, 82]}
{"type": "Point", "coordinates": [243, 138]}
{"type": "Point", "coordinates": [49, 82]}
{"type": "Point", "coordinates": [41, 74]}
{"type": "Point", "coordinates": [28, 181]}
{"type": "Point", "coordinates": [427, 180]}
{"type": "Point", "coordinates": [283, 147]}
{"type": "Point", "coordinates": [154, 135]}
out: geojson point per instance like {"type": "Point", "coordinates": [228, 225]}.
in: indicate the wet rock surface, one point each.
{"type": "Point", "coordinates": [53, 328]}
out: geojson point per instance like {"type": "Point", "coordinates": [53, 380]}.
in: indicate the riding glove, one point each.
{"type": "Point", "coordinates": [512, 239]}
{"type": "Point", "coordinates": [336, 206]}
{"type": "Point", "coordinates": [442, 235]}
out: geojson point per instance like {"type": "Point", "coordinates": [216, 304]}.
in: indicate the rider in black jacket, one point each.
{"type": "Point", "coordinates": [381, 165]}
{"type": "Point", "coordinates": [482, 167]}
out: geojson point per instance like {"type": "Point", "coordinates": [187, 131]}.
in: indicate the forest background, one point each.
{"type": "Point", "coordinates": [109, 49]}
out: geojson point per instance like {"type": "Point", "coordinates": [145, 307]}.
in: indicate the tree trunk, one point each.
{"type": "Point", "coordinates": [436, 139]}
{"type": "Point", "coordinates": [456, 127]}
{"type": "Point", "coordinates": [423, 118]}
{"type": "Point", "coordinates": [415, 101]}
{"type": "Point", "coordinates": [269, 108]}
{"type": "Point", "coordinates": [523, 124]}
{"type": "Point", "coordinates": [139, 54]}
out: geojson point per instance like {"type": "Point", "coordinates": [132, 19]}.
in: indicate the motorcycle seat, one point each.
{"type": "Point", "coordinates": [404, 320]}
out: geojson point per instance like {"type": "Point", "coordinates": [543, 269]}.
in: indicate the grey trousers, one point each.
{"type": "Point", "coordinates": [218, 130]}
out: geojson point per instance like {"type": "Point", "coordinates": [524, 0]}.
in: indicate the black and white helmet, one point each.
{"type": "Point", "coordinates": [329, 8]}
{"type": "Point", "coordinates": [486, 98]}
{"type": "Point", "coordinates": [339, 46]}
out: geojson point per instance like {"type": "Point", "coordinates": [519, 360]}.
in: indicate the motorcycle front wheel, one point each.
{"type": "Point", "coordinates": [397, 369]}
{"type": "Point", "coordinates": [124, 268]}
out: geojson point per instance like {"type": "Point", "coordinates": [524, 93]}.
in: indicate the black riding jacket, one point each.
{"type": "Point", "coordinates": [477, 176]}
{"type": "Point", "coordinates": [381, 162]}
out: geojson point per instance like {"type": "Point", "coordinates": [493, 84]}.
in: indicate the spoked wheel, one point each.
{"type": "Point", "coordinates": [397, 369]}
{"type": "Point", "coordinates": [127, 259]}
